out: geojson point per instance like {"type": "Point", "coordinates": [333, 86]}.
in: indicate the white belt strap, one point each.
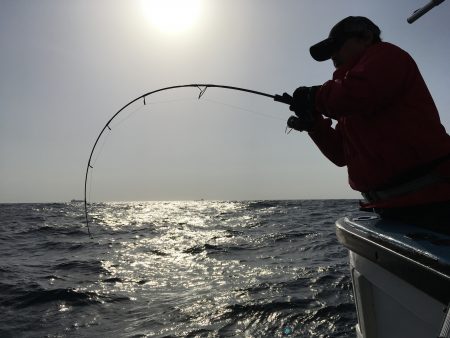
{"type": "Point", "coordinates": [403, 189]}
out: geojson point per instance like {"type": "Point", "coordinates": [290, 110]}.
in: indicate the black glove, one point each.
{"type": "Point", "coordinates": [303, 101]}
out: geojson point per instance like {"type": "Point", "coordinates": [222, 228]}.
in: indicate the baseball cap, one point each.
{"type": "Point", "coordinates": [351, 26]}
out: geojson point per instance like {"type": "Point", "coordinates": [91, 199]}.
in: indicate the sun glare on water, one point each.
{"type": "Point", "coordinates": [172, 16]}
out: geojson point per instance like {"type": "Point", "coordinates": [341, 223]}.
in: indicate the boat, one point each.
{"type": "Point", "coordinates": [400, 275]}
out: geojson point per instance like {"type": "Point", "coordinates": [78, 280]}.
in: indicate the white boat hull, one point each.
{"type": "Point", "coordinates": [389, 307]}
{"type": "Point", "coordinates": [400, 276]}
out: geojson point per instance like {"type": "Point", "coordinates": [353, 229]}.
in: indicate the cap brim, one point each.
{"type": "Point", "coordinates": [323, 50]}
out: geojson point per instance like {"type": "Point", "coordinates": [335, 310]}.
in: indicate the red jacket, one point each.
{"type": "Point", "coordinates": [387, 123]}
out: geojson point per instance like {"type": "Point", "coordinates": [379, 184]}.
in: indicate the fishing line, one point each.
{"type": "Point", "coordinates": [244, 109]}
{"type": "Point", "coordinates": [285, 98]}
{"type": "Point", "coordinates": [125, 118]}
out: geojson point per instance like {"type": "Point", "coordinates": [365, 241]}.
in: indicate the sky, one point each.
{"type": "Point", "coordinates": [67, 66]}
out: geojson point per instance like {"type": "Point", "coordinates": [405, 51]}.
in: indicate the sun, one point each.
{"type": "Point", "coordinates": [172, 16]}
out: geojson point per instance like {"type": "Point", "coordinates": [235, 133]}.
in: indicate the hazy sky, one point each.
{"type": "Point", "coordinates": [67, 66]}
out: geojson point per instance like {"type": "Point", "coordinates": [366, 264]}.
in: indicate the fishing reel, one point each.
{"type": "Point", "coordinates": [302, 104]}
{"type": "Point", "coordinates": [304, 122]}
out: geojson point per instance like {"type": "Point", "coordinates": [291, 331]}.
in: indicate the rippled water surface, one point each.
{"type": "Point", "coordinates": [175, 269]}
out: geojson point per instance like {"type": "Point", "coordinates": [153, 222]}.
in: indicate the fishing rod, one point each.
{"type": "Point", "coordinates": [285, 98]}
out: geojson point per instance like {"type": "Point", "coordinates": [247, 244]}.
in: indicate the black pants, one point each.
{"type": "Point", "coordinates": [434, 216]}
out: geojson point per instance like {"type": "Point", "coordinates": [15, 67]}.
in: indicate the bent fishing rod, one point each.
{"type": "Point", "coordinates": [285, 98]}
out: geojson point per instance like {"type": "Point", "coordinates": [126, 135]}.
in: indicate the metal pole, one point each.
{"type": "Point", "coordinates": [421, 11]}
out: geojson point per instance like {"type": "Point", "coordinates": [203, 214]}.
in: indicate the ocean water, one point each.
{"type": "Point", "coordinates": [175, 269]}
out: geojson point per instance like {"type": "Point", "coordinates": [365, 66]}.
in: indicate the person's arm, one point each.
{"type": "Point", "coordinates": [372, 83]}
{"type": "Point", "coordinates": [328, 140]}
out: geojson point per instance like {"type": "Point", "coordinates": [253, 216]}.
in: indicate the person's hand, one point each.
{"type": "Point", "coordinates": [303, 106]}
{"type": "Point", "coordinates": [303, 99]}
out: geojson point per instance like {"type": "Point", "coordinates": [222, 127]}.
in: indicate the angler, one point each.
{"type": "Point", "coordinates": [388, 131]}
